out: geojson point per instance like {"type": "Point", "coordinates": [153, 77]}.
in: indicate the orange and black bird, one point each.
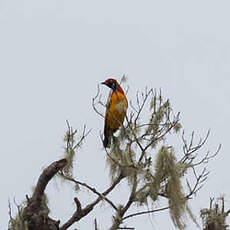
{"type": "Point", "coordinates": [115, 110]}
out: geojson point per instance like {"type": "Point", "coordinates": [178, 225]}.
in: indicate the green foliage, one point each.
{"type": "Point", "coordinates": [140, 154]}
{"type": "Point", "coordinates": [174, 191]}
{"type": "Point", "coordinates": [18, 222]}
{"type": "Point", "coordinates": [157, 117]}
{"type": "Point", "coordinates": [69, 139]}
{"type": "Point", "coordinates": [131, 155]}
{"type": "Point", "coordinates": [70, 151]}
{"type": "Point", "coordinates": [121, 161]}
{"type": "Point", "coordinates": [182, 167]}
{"type": "Point", "coordinates": [214, 217]}
{"type": "Point", "coordinates": [177, 127]}
{"type": "Point", "coordinates": [167, 180]}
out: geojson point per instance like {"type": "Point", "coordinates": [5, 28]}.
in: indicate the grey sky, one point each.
{"type": "Point", "coordinates": [54, 53]}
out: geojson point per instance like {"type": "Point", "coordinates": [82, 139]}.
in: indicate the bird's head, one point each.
{"type": "Point", "coordinates": [111, 83]}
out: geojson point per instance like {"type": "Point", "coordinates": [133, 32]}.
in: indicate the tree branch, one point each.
{"type": "Point", "coordinates": [122, 211]}
{"type": "Point", "coordinates": [34, 211]}
{"type": "Point", "coordinates": [90, 188]}
{"type": "Point", "coordinates": [78, 215]}
{"type": "Point", "coordinates": [45, 177]}
{"type": "Point", "coordinates": [145, 212]}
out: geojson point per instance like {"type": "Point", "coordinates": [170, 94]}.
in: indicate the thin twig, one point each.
{"type": "Point", "coordinates": [90, 188]}
{"type": "Point", "coordinates": [85, 211]}
{"type": "Point", "coordinates": [98, 102]}
{"type": "Point", "coordinates": [145, 212]}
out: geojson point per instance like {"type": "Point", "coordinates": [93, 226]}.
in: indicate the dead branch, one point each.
{"type": "Point", "coordinates": [214, 217]}
{"type": "Point", "coordinates": [97, 101]}
{"type": "Point", "coordinates": [47, 174]}
{"type": "Point", "coordinates": [90, 188]}
{"type": "Point", "coordinates": [145, 212]}
{"type": "Point", "coordinates": [33, 213]}
{"type": "Point", "coordinates": [117, 220]}
{"type": "Point", "coordinates": [84, 211]}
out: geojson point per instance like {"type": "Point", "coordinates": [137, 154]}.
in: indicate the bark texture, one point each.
{"type": "Point", "coordinates": [34, 213]}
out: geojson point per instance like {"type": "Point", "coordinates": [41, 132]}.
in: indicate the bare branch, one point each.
{"type": "Point", "coordinates": [145, 212]}
{"type": "Point", "coordinates": [33, 212]}
{"type": "Point", "coordinates": [117, 220]}
{"type": "Point", "coordinates": [77, 216]}
{"type": "Point", "coordinates": [90, 188]}
{"type": "Point", "coordinates": [97, 100]}
{"type": "Point", "coordinates": [126, 228]}
{"type": "Point", "coordinates": [141, 104]}
{"type": "Point", "coordinates": [198, 184]}
{"type": "Point", "coordinates": [83, 136]}
{"type": "Point", "coordinates": [95, 224]}
{"type": "Point", "coordinates": [45, 177]}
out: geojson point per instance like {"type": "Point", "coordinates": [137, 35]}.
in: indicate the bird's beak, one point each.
{"type": "Point", "coordinates": [103, 83]}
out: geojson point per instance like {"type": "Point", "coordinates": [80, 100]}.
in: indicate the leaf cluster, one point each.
{"type": "Point", "coordinates": [18, 222]}
{"type": "Point", "coordinates": [214, 217]}
{"type": "Point", "coordinates": [139, 152]}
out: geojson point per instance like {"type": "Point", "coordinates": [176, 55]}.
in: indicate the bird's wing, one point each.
{"type": "Point", "coordinates": [108, 104]}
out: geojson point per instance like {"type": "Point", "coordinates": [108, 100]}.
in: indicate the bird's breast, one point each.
{"type": "Point", "coordinates": [116, 110]}
{"type": "Point", "coordinates": [118, 102]}
{"type": "Point", "coordinates": [120, 106]}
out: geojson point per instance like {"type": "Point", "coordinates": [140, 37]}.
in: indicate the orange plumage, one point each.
{"type": "Point", "coordinates": [115, 110]}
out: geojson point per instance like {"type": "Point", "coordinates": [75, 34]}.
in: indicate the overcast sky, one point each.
{"type": "Point", "coordinates": [54, 53]}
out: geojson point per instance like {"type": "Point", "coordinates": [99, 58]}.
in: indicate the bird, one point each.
{"type": "Point", "coordinates": [116, 107]}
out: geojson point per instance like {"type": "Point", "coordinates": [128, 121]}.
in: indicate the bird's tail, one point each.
{"type": "Point", "coordinates": [106, 142]}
